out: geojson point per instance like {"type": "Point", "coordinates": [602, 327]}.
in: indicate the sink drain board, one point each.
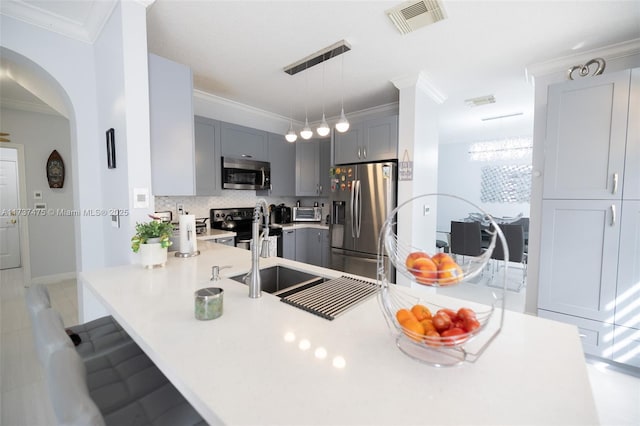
{"type": "Point", "coordinates": [331, 298]}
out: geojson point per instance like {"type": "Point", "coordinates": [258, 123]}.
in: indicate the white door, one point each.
{"type": "Point", "coordinates": [9, 226]}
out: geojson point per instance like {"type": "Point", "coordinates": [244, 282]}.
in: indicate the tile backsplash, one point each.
{"type": "Point", "coordinates": [200, 206]}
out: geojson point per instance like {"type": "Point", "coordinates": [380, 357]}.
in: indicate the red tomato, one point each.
{"type": "Point", "coordinates": [471, 324]}
{"type": "Point", "coordinates": [452, 336]}
{"type": "Point", "coordinates": [464, 313]}
{"type": "Point", "coordinates": [441, 321]}
{"type": "Point", "coordinates": [450, 312]}
{"type": "Point", "coordinates": [459, 323]}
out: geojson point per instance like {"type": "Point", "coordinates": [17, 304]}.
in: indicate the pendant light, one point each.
{"type": "Point", "coordinates": [306, 132]}
{"type": "Point", "coordinates": [291, 135]}
{"type": "Point", "coordinates": [323, 128]}
{"type": "Point", "coordinates": [343, 124]}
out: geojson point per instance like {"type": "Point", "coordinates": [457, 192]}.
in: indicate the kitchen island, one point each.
{"type": "Point", "coordinates": [265, 362]}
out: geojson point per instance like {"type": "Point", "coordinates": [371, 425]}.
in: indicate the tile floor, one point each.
{"type": "Point", "coordinates": [24, 400]}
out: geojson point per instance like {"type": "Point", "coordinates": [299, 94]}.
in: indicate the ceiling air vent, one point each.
{"type": "Point", "coordinates": [411, 15]}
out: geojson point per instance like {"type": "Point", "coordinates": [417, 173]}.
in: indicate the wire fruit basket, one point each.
{"type": "Point", "coordinates": [446, 335]}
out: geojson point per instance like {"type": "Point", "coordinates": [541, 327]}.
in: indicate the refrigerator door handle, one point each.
{"type": "Point", "coordinates": [351, 207]}
{"type": "Point", "coordinates": [358, 208]}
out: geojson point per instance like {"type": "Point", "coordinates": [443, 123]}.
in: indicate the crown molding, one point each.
{"type": "Point", "coordinates": [228, 103]}
{"type": "Point", "coordinates": [422, 82]}
{"type": "Point", "coordinates": [85, 31]}
{"type": "Point", "coordinates": [609, 53]}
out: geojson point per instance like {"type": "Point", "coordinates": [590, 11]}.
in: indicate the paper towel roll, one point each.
{"type": "Point", "coordinates": [188, 242]}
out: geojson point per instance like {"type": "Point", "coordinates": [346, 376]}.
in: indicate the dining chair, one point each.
{"type": "Point", "coordinates": [514, 236]}
{"type": "Point", "coordinates": [466, 238]}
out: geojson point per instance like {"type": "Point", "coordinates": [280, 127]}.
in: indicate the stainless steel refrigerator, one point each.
{"type": "Point", "coordinates": [362, 196]}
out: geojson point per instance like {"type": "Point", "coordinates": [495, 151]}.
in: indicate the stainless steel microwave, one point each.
{"type": "Point", "coordinates": [241, 173]}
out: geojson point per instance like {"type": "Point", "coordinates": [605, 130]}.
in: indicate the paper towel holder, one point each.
{"type": "Point", "coordinates": [190, 232]}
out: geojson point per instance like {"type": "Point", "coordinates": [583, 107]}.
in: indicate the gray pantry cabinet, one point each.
{"type": "Point", "coordinates": [371, 140]}
{"type": "Point", "coordinates": [313, 160]}
{"type": "Point", "coordinates": [171, 127]}
{"type": "Point", "coordinates": [243, 142]}
{"type": "Point", "coordinates": [590, 242]}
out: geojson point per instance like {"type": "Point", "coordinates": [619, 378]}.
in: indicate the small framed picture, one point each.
{"type": "Point", "coordinates": [111, 149]}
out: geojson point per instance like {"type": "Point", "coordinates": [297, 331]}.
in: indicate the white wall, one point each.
{"type": "Point", "coordinates": [123, 104]}
{"type": "Point", "coordinates": [116, 93]}
{"type": "Point", "coordinates": [51, 237]}
{"type": "Point", "coordinates": [461, 176]}
{"type": "Point", "coordinates": [41, 50]}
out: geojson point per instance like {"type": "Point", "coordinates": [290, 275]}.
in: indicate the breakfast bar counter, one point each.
{"type": "Point", "coordinates": [266, 362]}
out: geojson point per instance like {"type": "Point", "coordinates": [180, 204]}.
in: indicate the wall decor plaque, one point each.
{"type": "Point", "coordinates": [55, 170]}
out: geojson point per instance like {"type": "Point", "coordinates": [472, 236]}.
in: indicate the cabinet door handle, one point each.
{"type": "Point", "coordinates": [613, 215]}
{"type": "Point", "coordinates": [615, 183]}
{"type": "Point", "coordinates": [364, 152]}
{"type": "Point", "coordinates": [247, 156]}
{"type": "Point", "coordinates": [359, 152]}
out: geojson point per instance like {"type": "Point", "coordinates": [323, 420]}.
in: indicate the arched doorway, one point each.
{"type": "Point", "coordinates": [35, 111]}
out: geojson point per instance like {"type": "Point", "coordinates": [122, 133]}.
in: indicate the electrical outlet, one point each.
{"type": "Point", "coordinates": [425, 210]}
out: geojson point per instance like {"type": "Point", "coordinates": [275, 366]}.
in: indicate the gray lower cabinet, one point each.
{"type": "Point", "coordinates": [282, 156]}
{"type": "Point", "coordinates": [171, 127]}
{"type": "Point", "coordinates": [207, 148]}
{"type": "Point", "coordinates": [289, 244]}
{"type": "Point", "coordinates": [313, 158]}
{"type": "Point", "coordinates": [371, 140]}
{"type": "Point", "coordinates": [307, 245]}
{"type": "Point", "coordinates": [243, 142]}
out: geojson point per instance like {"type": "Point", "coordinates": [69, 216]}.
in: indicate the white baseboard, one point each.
{"type": "Point", "coordinates": [54, 278]}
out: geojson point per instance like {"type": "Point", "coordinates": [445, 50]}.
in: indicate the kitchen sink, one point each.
{"type": "Point", "coordinates": [281, 281]}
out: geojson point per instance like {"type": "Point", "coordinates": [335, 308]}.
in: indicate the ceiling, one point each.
{"type": "Point", "coordinates": [238, 50]}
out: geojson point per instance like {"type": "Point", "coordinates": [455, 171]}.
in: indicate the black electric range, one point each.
{"type": "Point", "coordinates": [238, 220]}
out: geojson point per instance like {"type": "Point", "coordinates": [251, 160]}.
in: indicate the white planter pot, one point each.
{"type": "Point", "coordinates": [152, 254]}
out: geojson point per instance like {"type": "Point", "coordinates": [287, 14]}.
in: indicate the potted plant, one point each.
{"type": "Point", "coordinates": [152, 240]}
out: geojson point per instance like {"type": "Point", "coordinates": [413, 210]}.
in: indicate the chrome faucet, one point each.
{"type": "Point", "coordinates": [258, 247]}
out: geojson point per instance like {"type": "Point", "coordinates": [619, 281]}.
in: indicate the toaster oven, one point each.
{"type": "Point", "coordinates": [307, 214]}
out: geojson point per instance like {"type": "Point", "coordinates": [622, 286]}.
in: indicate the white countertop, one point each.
{"type": "Point", "coordinates": [241, 368]}
{"type": "Point", "coordinates": [300, 225]}
{"type": "Point", "coordinates": [214, 234]}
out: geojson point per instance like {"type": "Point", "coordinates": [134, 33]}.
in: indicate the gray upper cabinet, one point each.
{"type": "Point", "coordinates": [282, 156]}
{"type": "Point", "coordinates": [243, 142]}
{"type": "Point", "coordinates": [171, 119]}
{"type": "Point", "coordinates": [207, 148]}
{"type": "Point", "coordinates": [348, 145]}
{"type": "Point", "coordinates": [312, 167]}
{"type": "Point", "coordinates": [370, 140]}
{"type": "Point", "coordinates": [586, 137]}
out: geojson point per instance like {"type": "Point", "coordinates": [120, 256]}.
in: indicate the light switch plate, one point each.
{"type": "Point", "coordinates": [140, 198]}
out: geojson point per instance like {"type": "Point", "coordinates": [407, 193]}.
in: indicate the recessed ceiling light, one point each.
{"type": "Point", "coordinates": [480, 100]}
